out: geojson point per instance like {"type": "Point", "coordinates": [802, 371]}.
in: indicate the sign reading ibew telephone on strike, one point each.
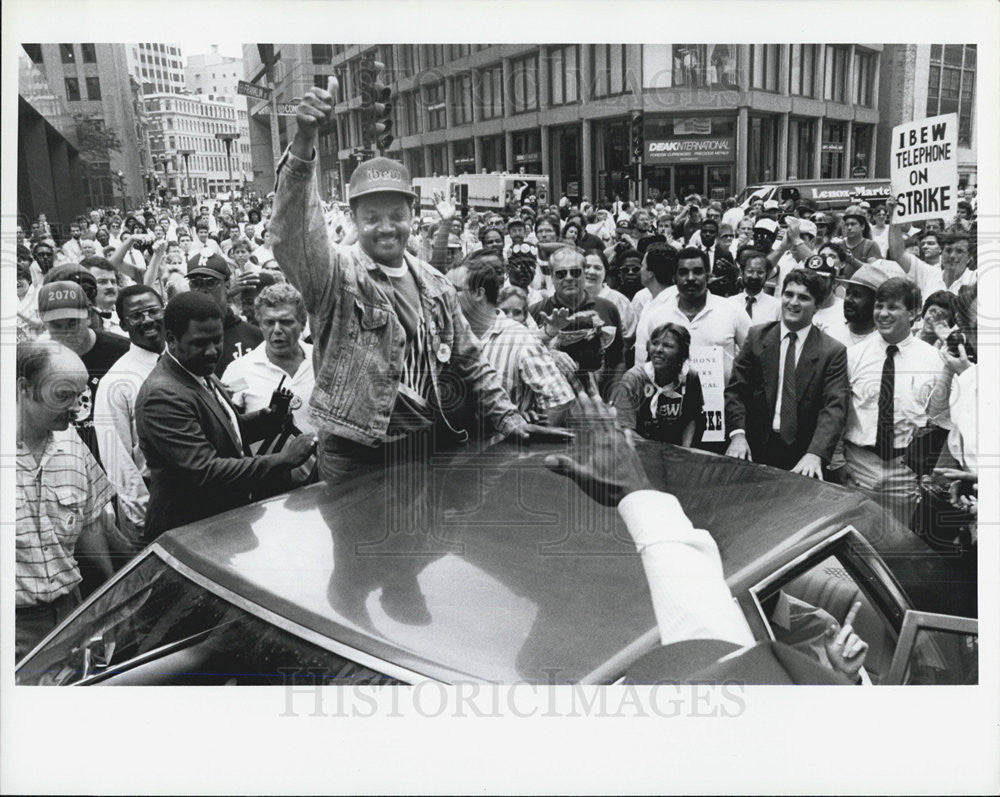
{"type": "Point", "coordinates": [924, 169]}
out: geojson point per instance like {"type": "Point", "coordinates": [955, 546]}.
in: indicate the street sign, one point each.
{"type": "Point", "coordinates": [284, 108]}
{"type": "Point", "coordinates": [224, 136]}
{"type": "Point", "coordinates": [859, 173]}
{"type": "Point", "coordinates": [253, 90]}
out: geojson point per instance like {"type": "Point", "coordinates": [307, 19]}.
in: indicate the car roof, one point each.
{"type": "Point", "coordinates": [524, 578]}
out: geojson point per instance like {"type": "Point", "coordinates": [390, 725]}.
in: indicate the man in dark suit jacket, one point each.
{"type": "Point", "coordinates": [789, 417]}
{"type": "Point", "coordinates": [194, 441]}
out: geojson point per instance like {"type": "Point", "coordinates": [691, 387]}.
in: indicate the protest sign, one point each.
{"type": "Point", "coordinates": [708, 362]}
{"type": "Point", "coordinates": [924, 169]}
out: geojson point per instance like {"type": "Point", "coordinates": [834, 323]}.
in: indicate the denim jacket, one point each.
{"type": "Point", "coordinates": [358, 341]}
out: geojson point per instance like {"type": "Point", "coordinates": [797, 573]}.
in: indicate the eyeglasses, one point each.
{"type": "Point", "coordinates": [152, 313]}
{"type": "Point", "coordinates": [561, 274]}
{"type": "Point", "coordinates": [204, 282]}
{"type": "Point", "coordinates": [630, 269]}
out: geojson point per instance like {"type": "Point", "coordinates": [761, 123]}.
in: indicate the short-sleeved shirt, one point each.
{"type": "Point", "coordinates": [676, 407]}
{"type": "Point", "coordinates": [238, 339]}
{"type": "Point", "coordinates": [587, 350]}
{"type": "Point", "coordinates": [106, 351]}
{"type": "Point", "coordinates": [56, 500]}
{"type": "Point", "coordinates": [526, 368]}
{"type": "Point", "coordinates": [254, 378]}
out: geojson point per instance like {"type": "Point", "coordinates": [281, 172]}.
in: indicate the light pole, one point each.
{"type": "Point", "coordinates": [186, 153]}
{"type": "Point", "coordinates": [165, 160]}
{"type": "Point", "coordinates": [228, 139]}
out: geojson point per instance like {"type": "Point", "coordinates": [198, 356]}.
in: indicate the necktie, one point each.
{"type": "Point", "coordinates": [750, 303]}
{"type": "Point", "coordinates": [226, 409]}
{"type": "Point", "coordinates": [884, 435]}
{"type": "Point", "coordinates": [788, 423]}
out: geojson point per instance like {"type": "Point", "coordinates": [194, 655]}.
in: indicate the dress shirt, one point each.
{"type": "Point", "coordinates": [117, 438]}
{"type": "Point", "coordinates": [720, 323]}
{"type": "Point", "coordinates": [919, 370]}
{"type": "Point", "coordinates": [253, 378]}
{"type": "Point", "coordinates": [967, 277]}
{"type": "Point", "coordinates": [800, 340]}
{"type": "Point", "coordinates": [766, 308]}
{"type": "Point", "coordinates": [691, 599]}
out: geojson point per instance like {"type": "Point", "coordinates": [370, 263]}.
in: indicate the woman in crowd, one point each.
{"type": "Point", "coordinates": [880, 229]}
{"type": "Point", "coordinates": [595, 271]}
{"type": "Point", "coordinates": [937, 318]}
{"type": "Point", "coordinates": [662, 399]}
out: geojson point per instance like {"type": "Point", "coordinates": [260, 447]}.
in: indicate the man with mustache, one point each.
{"type": "Point", "coordinates": [760, 307]}
{"type": "Point", "coordinates": [141, 311]}
{"type": "Point", "coordinates": [193, 439]}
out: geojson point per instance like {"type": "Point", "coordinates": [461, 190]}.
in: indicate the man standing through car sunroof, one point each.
{"type": "Point", "coordinates": [394, 357]}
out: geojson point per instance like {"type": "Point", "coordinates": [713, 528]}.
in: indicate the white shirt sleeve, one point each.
{"type": "Point", "coordinates": [691, 599]}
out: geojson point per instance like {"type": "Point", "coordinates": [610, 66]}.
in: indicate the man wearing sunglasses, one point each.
{"type": "Point", "coordinates": [209, 274]}
{"type": "Point", "coordinates": [588, 330]}
{"type": "Point", "coordinates": [140, 309]}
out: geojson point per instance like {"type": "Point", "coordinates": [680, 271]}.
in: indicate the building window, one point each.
{"type": "Point", "coordinates": [524, 95]}
{"type": "Point", "coordinates": [89, 53]}
{"type": "Point", "coordinates": [836, 74]}
{"type": "Point", "coordinates": [414, 125]}
{"type": "Point", "coordinates": [803, 69]}
{"type": "Point", "coordinates": [864, 78]}
{"type": "Point", "coordinates": [764, 61]}
{"type": "Point", "coordinates": [384, 54]}
{"type": "Point", "coordinates": [701, 65]}
{"type": "Point", "coordinates": [72, 89]}
{"type": "Point", "coordinates": [564, 74]}
{"type": "Point", "coordinates": [491, 93]}
{"type": "Point", "coordinates": [461, 99]}
{"type": "Point", "coordinates": [319, 81]}
{"type": "Point", "coordinates": [93, 88]}
{"type": "Point", "coordinates": [801, 148]}
{"type": "Point", "coordinates": [952, 85]}
{"type": "Point", "coordinates": [608, 61]}
{"type": "Point", "coordinates": [34, 52]}
{"type": "Point", "coordinates": [434, 55]}
{"type": "Point", "coordinates": [762, 149]}
{"type": "Point", "coordinates": [456, 51]}
{"type": "Point", "coordinates": [322, 54]}
{"type": "Point", "coordinates": [832, 160]}
{"type": "Point", "coordinates": [408, 60]}
{"type": "Point", "coordinates": [436, 106]}
{"type": "Point", "coordinates": [66, 53]}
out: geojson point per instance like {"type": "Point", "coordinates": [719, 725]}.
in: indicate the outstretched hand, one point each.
{"type": "Point", "coordinates": [443, 206]}
{"type": "Point", "coordinates": [316, 109]}
{"type": "Point", "coordinates": [603, 461]}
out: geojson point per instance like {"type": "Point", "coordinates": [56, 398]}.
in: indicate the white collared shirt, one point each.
{"type": "Point", "coordinates": [253, 377]}
{"type": "Point", "coordinates": [719, 323]}
{"type": "Point", "coordinates": [918, 368]}
{"type": "Point", "coordinates": [800, 339]}
{"type": "Point", "coordinates": [766, 308]}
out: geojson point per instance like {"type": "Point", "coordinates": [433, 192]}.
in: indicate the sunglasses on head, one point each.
{"type": "Point", "coordinates": [563, 273]}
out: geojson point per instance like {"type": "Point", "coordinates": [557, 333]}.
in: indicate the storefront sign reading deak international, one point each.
{"type": "Point", "coordinates": [690, 150]}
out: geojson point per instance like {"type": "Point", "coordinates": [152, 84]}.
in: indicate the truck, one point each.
{"type": "Point", "coordinates": [483, 192]}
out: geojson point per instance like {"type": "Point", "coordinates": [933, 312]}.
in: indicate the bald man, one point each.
{"type": "Point", "coordinates": [63, 496]}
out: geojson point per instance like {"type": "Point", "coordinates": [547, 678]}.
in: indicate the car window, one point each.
{"type": "Point", "coordinates": [155, 626]}
{"type": "Point", "coordinates": [943, 658]}
{"type": "Point", "coordinates": [799, 610]}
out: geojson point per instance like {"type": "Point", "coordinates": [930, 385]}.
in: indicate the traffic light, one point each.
{"type": "Point", "coordinates": [637, 140]}
{"type": "Point", "coordinates": [376, 105]}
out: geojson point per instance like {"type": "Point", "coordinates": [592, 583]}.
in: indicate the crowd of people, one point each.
{"type": "Point", "coordinates": [175, 361]}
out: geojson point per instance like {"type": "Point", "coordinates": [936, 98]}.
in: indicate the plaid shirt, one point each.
{"type": "Point", "coordinates": [56, 500]}
{"type": "Point", "coordinates": [527, 371]}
